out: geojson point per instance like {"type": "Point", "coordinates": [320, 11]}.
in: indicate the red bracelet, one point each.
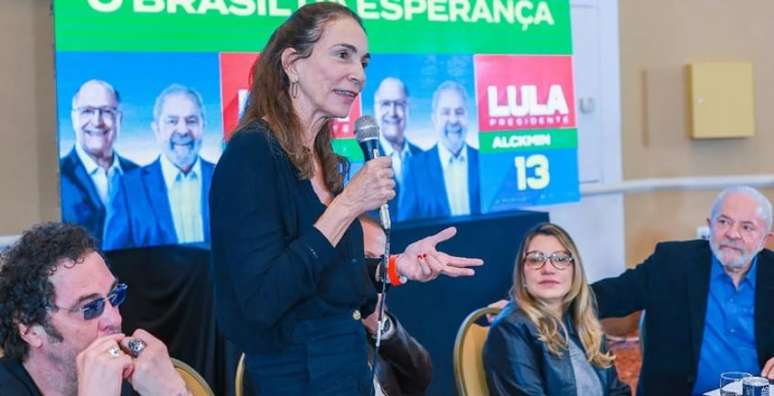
{"type": "Point", "coordinates": [392, 271]}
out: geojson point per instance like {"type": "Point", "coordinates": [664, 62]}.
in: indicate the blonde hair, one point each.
{"type": "Point", "coordinates": [579, 302]}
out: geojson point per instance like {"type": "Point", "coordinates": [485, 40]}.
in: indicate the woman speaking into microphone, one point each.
{"type": "Point", "coordinates": [288, 267]}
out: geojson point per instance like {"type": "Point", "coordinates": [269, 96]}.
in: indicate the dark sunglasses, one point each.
{"type": "Point", "coordinates": [94, 308]}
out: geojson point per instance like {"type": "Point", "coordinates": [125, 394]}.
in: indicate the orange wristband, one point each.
{"type": "Point", "coordinates": [392, 271]}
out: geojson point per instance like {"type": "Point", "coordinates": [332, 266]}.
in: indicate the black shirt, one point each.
{"type": "Point", "coordinates": [15, 381]}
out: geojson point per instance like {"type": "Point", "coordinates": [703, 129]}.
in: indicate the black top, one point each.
{"type": "Point", "coordinates": [404, 367]}
{"type": "Point", "coordinates": [271, 267]}
{"type": "Point", "coordinates": [672, 287]}
{"type": "Point", "coordinates": [517, 362]}
{"type": "Point", "coordinates": [15, 381]}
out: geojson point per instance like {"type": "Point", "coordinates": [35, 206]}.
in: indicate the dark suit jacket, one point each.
{"type": "Point", "coordinates": [394, 204]}
{"type": "Point", "coordinates": [518, 363]}
{"type": "Point", "coordinates": [404, 367]}
{"type": "Point", "coordinates": [141, 215]}
{"type": "Point", "coordinates": [80, 201]}
{"type": "Point", "coordinates": [672, 286]}
{"type": "Point", "coordinates": [425, 190]}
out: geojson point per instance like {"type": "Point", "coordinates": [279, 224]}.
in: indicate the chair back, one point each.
{"type": "Point", "coordinates": [239, 379]}
{"type": "Point", "coordinates": [195, 383]}
{"type": "Point", "coordinates": [468, 362]}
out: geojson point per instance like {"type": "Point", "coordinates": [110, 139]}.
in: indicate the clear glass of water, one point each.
{"type": "Point", "coordinates": [731, 383]}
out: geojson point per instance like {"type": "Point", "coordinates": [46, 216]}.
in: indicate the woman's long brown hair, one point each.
{"type": "Point", "coordinates": [270, 100]}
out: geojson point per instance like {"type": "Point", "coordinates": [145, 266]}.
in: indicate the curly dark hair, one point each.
{"type": "Point", "coordinates": [26, 293]}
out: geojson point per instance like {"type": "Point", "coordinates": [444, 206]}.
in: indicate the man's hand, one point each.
{"type": "Point", "coordinates": [422, 262]}
{"type": "Point", "coordinates": [768, 369]}
{"type": "Point", "coordinates": [497, 304]}
{"type": "Point", "coordinates": [102, 366]}
{"type": "Point", "coordinates": [154, 374]}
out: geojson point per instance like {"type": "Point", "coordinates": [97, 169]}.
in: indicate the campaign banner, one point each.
{"type": "Point", "coordinates": [528, 138]}
{"type": "Point", "coordinates": [393, 26]}
{"type": "Point", "coordinates": [474, 100]}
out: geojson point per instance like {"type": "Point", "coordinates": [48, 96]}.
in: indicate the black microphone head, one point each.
{"type": "Point", "coordinates": [366, 129]}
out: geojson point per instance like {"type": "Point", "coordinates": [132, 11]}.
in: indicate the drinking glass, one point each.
{"type": "Point", "coordinates": [731, 383]}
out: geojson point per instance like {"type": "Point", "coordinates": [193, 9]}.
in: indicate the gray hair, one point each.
{"type": "Point", "coordinates": [101, 83]}
{"type": "Point", "coordinates": [449, 85]}
{"type": "Point", "coordinates": [764, 205]}
{"type": "Point", "coordinates": [177, 89]}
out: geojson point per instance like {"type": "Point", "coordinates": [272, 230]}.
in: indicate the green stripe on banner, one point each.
{"type": "Point", "coordinates": [348, 148]}
{"type": "Point", "coordinates": [394, 26]}
{"type": "Point", "coordinates": [531, 140]}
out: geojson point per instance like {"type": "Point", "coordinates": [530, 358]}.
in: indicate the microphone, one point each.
{"type": "Point", "coordinates": [367, 135]}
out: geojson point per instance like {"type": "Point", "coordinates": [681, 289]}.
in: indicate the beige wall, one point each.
{"type": "Point", "coordinates": [29, 191]}
{"type": "Point", "coordinates": [657, 39]}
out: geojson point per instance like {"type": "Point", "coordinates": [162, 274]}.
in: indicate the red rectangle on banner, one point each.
{"type": "Point", "coordinates": [234, 86]}
{"type": "Point", "coordinates": [524, 92]}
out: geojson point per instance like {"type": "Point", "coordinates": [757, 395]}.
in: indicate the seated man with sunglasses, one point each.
{"type": "Point", "coordinates": [60, 328]}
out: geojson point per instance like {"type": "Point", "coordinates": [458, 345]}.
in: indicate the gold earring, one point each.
{"type": "Point", "coordinates": [294, 89]}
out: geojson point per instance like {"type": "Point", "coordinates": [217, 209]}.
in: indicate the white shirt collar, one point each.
{"type": "Point", "coordinates": [445, 155]}
{"type": "Point", "coordinates": [91, 165]}
{"type": "Point", "coordinates": [388, 150]}
{"type": "Point", "coordinates": [170, 171]}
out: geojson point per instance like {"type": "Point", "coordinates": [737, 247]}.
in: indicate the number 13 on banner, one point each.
{"type": "Point", "coordinates": [522, 178]}
{"type": "Point", "coordinates": [539, 176]}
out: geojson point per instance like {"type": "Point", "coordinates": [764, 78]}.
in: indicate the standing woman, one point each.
{"type": "Point", "coordinates": [289, 275]}
{"type": "Point", "coordinates": [548, 340]}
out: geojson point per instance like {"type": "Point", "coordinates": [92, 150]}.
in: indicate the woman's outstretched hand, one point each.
{"type": "Point", "coordinates": [422, 262]}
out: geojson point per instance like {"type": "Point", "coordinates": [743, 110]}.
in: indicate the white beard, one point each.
{"type": "Point", "coordinates": [734, 263]}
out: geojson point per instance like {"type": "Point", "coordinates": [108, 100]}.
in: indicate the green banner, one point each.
{"type": "Point", "coordinates": [394, 26]}
{"type": "Point", "coordinates": [348, 148]}
{"type": "Point", "coordinates": [530, 140]}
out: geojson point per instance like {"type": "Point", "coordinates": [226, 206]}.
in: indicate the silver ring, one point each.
{"type": "Point", "coordinates": [135, 346]}
{"type": "Point", "coordinates": [114, 351]}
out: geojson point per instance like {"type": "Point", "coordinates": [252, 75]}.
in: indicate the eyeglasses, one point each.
{"type": "Point", "coordinates": [536, 260]}
{"type": "Point", "coordinates": [94, 308]}
{"type": "Point", "coordinates": [91, 111]}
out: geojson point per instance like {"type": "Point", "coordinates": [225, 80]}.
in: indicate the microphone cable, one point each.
{"type": "Point", "coordinates": [380, 307]}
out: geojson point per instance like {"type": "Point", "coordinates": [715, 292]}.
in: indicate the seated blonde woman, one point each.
{"type": "Point", "coordinates": [548, 340]}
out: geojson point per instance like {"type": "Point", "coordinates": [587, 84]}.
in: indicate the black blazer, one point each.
{"type": "Point", "coordinates": [672, 286]}
{"type": "Point", "coordinates": [404, 367]}
{"type": "Point", "coordinates": [271, 266]}
{"type": "Point", "coordinates": [518, 363]}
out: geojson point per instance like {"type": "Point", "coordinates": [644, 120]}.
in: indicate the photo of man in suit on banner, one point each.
{"type": "Point", "coordinates": [165, 202]}
{"type": "Point", "coordinates": [444, 180]}
{"type": "Point", "coordinates": [391, 110]}
{"type": "Point", "coordinates": [90, 172]}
